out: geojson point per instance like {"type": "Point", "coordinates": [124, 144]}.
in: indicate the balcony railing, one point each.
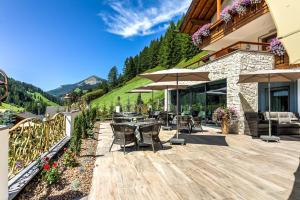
{"type": "Point", "coordinates": [220, 29]}
{"type": "Point", "coordinates": [281, 62]}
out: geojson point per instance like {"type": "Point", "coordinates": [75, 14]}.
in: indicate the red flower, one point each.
{"type": "Point", "coordinates": [54, 165]}
{"type": "Point", "coordinates": [46, 159]}
{"type": "Point", "coordinates": [65, 149]}
{"type": "Point", "coordinates": [46, 167]}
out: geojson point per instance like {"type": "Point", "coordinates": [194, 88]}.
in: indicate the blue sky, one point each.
{"type": "Point", "coordinates": [53, 42]}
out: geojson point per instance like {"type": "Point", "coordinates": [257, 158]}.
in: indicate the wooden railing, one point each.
{"type": "Point", "coordinates": [220, 29]}
{"type": "Point", "coordinates": [32, 137]}
{"type": "Point", "coordinates": [281, 62]}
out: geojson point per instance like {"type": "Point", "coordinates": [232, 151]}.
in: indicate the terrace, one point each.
{"type": "Point", "coordinates": [210, 166]}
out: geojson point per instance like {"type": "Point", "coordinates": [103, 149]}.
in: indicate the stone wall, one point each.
{"type": "Point", "coordinates": [242, 96]}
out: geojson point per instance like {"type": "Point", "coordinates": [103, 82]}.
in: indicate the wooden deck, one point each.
{"type": "Point", "coordinates": [210, 166]}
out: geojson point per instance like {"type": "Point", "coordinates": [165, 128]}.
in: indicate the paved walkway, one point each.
{"type": "Point", "coordinates": [210, 166]}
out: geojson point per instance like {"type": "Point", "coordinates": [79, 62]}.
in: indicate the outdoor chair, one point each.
{"type": "Point", "coordinates": [197, 123]}
{"type": "Point", "coordinates": [123, 135]}
{"type": "Point", "coordinates": [184, 123]}
{"type": "Point", "coordinates": [150, 120]}
{"type": "Point", "coordinates": [163, 118]}
{"type": "Point", "coordinates": [150, 134]}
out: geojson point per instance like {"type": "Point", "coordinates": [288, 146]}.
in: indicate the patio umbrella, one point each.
{"type": "Point", "coordinates": [177, 75]}
{"type": "Point", "coordinates": [268, 76]}
{"type": "Point", "coordinates": [286, 17]}
{"type": "Point", "coordinates": [166, 86]}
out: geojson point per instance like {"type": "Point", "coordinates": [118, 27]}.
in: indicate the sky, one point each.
{"type": "Point", "coordinates": [52, 42]}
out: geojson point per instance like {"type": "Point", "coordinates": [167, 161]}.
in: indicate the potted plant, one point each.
{"type": "Point", "coordinates": [225, 115]}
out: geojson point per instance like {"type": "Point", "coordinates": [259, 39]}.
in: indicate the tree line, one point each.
{"type": "Point", "coordinates": [167, 51]}
{"type": "Point", "coordinates": [23, 95]}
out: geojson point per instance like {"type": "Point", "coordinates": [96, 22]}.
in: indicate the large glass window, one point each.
{"type": "Point", "coordinates": [202, 100]}
{"type": "Point", "coordinates": [279, 99]}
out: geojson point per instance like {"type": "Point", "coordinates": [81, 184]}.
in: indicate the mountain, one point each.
{"type": "Point", "coordinates": [86, 84]}
{"type": "Point", "coordinates": [24, 96]}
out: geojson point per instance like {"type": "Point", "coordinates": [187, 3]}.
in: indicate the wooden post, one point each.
{"type": "Point", "coordinates": [4, 163]}
{"type": "Point", "coordinates": [219, 5]}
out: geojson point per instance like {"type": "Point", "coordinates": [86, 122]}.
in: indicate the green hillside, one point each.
{"type": "Point", "coordinates": [184, 63]}
{"type": "Point", "coordinates": [11, 107]}
{"type": "Point", "coordinates": [111, 97]}
{"type": "Point", "coordinates": [38, 96]}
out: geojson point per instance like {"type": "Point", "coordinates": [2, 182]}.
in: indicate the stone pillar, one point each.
{"type": "Point", "coordinates": [70, 118]}
{"type": "Point", "coordinates": [4, 162]}
{"type": "Point", "coordinates": [298, 95]}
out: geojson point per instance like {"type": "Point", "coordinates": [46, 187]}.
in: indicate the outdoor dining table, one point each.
{"type": "Point", "coordinates": [137, 133]}
{"type": "Point", "coordinates": [130, 118]}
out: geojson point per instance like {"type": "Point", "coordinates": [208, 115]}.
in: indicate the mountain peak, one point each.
{"type": "Point", "coordinates": [85, 84]}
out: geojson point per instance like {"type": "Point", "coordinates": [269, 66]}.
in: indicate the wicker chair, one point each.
{"type": "Point", "coordinates": [150, 134]}
{"type": "Point", "coordinates": [184, 123]}
{"type": "Point", "coordinates": [123, 135]}
{"type": "Point", "coordinates": [198, 123]}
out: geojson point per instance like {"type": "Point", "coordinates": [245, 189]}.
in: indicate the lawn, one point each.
{"type": "Point", "coordinates": [11, 107]}
{"type": "Point", "coordinates": [187, 63]}
{"type": "Point", "coordinates": [38, 95]}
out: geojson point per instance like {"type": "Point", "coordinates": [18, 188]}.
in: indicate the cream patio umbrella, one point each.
{"type": "Point", "coordinates": [268, 76]}
{"type": "Point", "coordinates": [166, 86]}
{"type": "Point", "coordinates": [177, 74]}
{"type": "Point", "coordinates": [285, 14]}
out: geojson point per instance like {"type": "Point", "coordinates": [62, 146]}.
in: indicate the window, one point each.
{"type": "Point", "coordinates": [279, 99]}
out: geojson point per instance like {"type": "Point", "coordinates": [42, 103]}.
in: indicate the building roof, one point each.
{"type": "Point", "coordinates": [199, 13]}
{"type": "Point", "coordinates": [25, 115]}
{"type": "Point", "coordinates": [52, 110]}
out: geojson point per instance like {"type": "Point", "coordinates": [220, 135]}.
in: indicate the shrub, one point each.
{"type": "Point", "coordinates": [88, 97]}
{"type": "Point", "coordinates": [75, 143]}
{"type": "Point", "coordinates": [69, 159]}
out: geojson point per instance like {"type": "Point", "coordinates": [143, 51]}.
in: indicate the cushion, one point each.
{"type": "Point", "coordinates": [273, 115]}
{"type": "Point", "coordinates": [282, 120]}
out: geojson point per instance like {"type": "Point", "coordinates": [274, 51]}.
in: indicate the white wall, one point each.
{"type": "Point", "coordinates": [4, 163]}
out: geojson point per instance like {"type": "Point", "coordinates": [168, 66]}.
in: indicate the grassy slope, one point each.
{"type": "Point", "coordinates": [44, 99]}
{"type": "Point", "coordinates": [136, 82]}
{"type": "Point", "coordinates": [185, 63]}
{"type": "Point", "coordinates": [11, 107]}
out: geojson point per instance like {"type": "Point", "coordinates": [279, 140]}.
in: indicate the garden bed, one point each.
{"type": "Point", "coordinates": [74, 183]}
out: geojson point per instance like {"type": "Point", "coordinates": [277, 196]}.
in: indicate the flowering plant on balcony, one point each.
{"type": "Point", "coordinates": [256, 2]}
{"type": "Point", "coordinates": [276, 47]}
{"type": "Point", "coordinates": [226, 14]}
{"type": "Point", "coordinates": [239, 7]}
{"type": "Point", "coordinates": [203, 31]}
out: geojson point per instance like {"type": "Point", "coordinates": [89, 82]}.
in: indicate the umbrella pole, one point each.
{"type": "Point", "coordinates": [177, 106]}
{"type": "Point", "coordinates": [177, 140]}
{"type": "Point", "coordinates": [270, 137]}
{"type": "Point", "coordinates": [167, 107]}
{"type": "Point", "coordinates": [269, 87]}
{"type": "Point", "coordinates": [152, 103]}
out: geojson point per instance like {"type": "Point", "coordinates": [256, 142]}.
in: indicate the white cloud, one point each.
{"type": "Point", "coordinates": [130, 20]}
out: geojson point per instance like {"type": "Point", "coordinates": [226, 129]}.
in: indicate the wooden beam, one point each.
{"type": "Point", "coordinates": [199, 21]}
{"type": "Point", "coordinates": [219, 5]}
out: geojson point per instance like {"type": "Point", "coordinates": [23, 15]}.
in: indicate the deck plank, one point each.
{"type": "Point", "coordinates": [210, 166]}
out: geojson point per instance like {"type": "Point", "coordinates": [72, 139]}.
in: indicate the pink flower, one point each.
{"type": "Point", "coordinates": [54, 165]}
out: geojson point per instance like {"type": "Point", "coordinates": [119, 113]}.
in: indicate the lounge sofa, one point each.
{"type": "Point", "coordinates": [283, 123]}
{"type": "Point", "coordinates": [287, 123]}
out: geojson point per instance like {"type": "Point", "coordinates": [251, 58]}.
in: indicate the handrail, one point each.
{"type": "Point", "coordinates": [239, 44]}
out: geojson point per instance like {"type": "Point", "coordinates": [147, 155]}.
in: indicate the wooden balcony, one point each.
{"type": "Point", "coordinates": [281, 62]}
{"type": "Point", "coordinates": [220, 29]}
